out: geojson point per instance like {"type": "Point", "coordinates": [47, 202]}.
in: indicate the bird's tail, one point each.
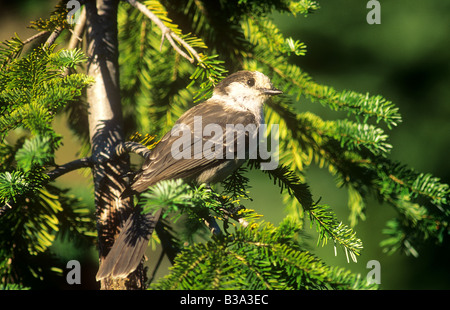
{"type": "Point", "coordinates": [129, 247]}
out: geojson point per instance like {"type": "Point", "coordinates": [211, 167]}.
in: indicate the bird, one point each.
{"type": "Point", "coordinates": [236, 100]}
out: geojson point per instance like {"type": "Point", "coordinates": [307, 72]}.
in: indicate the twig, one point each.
{"type": "Point", "coordinates": [37, 35]}
{"type": "Point", "coordinates": [53, 36]}
{"type": "Point", "coordinates": [167, 33]}
{"type": "Point", "coordinates": [132, 147]}
{"type": "Point", "coordinates": [77, 30]}
{"type": "Point", "coordinates": [76, 34]}
{"type": "Point", "coordinates": [73, 165]}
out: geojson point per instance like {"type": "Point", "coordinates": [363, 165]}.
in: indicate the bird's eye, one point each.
{"type": "Point", "coordinates": [251, 82]}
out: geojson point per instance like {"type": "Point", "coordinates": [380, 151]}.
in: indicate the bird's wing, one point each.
{"type": "Point", "coordinates": [162, 165]}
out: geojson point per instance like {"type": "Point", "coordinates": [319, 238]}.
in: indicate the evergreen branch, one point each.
{"type": "Point", "coordinates": [17, 183]}
{"type": "Point", "coordinates": [422, 203]}
{"type": "Point", "coordinates": [304, 7]}
{"type": "Point", "coordinates": [300, 83]}
{"type": "Point", "coordinates": [236, 185]}
{"type": "Point", "coordinates": [36, 151]}
{"type": "Point", "coordinates": [56, 20]}
{"type": "Point", "coordinates": [33, 88]}
{"type": "Point", "coordinates": [141, 63]}
{"type": "Point", "coordinates": [300, 137]}
{"type": "Point", "coordinates": [168, 33]}
{"type": "Point", "coordinates": [355, 136]}
{"type": "Point", "coordinates": [424, 185]}
{"type": "Point", "coordinates": [356, 205]}
{"type": "Point", "coordinates": [325, 220]}
{"type": "Point", "coordinates": [209, 70]}
{"type": "Point", "coordinates": [395, 181]}
{"type": "Point", "coordinates": [392, 182]}
{"type": "Point", "coordinates": [260, 257]}
{"type": "Point", "coordinates": [313, 138]}
{"type": "Point", "coordinates": [178, 198]}
{"type": "Point", "coordinates": [172, 194]}
{"type": "Point", "coordinates": [31, 229]}
{"type": "Point", "coordinates": [12, 183]}
{"type": "Point", "coordinates": [288, 180]}
{"type": "Point", "coordinates": [65, 59]}
{"type": "Point", "coordinates": [199, 203]}
{"type": "Point", "coordinates": [363, 173]}
{"type": "Point", "coordinates": [76, 221]}
{"type": "Point", "coordinates": [14, 287]}
{"type": "Point", "coordinates": [9, 50]}
{"type": "Point", "coordinates": [26, 115]}
{"type": "Point", "coordinates": [263, 32]}
{"type": "Point", "coordinates": [329, 228]}
{"type": "Point", "coordinates": [397, 239]}
{"type": "Point", "coordinates": [415, 223]}
{"type": "Point", "coordinates": [13, 47]}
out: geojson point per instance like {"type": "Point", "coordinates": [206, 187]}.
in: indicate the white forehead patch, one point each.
{"type": "Point", "coordinates": [262, 81]}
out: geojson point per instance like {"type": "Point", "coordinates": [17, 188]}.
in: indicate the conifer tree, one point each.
{"type": "Point", "coordinates": [170, 54]}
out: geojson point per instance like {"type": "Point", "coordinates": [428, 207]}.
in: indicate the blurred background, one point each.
{"type": "Point", "coordinates": [406, 59]}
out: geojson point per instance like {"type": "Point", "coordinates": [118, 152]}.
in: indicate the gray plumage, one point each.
{"type": "Point", "coordinates": [238, 99]}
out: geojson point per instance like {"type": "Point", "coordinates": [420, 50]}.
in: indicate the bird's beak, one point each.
{"type": "Point", "coordinates": [272, 91]}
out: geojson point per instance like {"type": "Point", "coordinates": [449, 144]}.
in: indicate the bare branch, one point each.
{"type": "Point", "coordinates": [37, 35]}
{"type": "Point", "coordinates": [85, 162]}
{"type": "Point", "coordinates": [78, 30]}
{"type": "Point", "coordinates": [77, 33]}
{"type": "Point", "coordinates": [167, 33]}
{"type": "Point", "coordinates": [53, 36]}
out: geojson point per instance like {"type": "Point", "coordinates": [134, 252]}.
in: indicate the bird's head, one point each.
{"type": "Point", "coordinates": [245, 87]}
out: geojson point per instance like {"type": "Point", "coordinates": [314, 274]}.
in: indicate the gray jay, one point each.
{"type": "Point", "coordinates": [206, 154]}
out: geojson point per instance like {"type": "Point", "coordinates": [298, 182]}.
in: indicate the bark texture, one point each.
{"type": "Point", "coordinates": [106, 132]}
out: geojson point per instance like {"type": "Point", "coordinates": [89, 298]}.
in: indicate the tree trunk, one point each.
{"type": "Point", "coordinates": [105, 127]}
